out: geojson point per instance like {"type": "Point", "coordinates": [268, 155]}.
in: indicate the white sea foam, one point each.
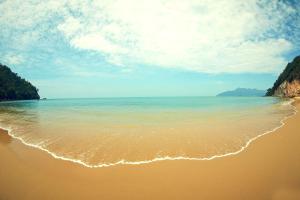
{"type": "Point", "coordinates": [165, 158]}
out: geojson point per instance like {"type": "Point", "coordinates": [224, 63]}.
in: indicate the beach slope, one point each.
{"type": "Point", "coordinates": [268, 169]}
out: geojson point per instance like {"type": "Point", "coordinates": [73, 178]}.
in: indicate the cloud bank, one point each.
{"type": "Point", "coordinates": [225, 36]}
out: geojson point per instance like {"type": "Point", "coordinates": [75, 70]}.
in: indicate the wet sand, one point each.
{"type": "Point", "coordinates": [268, 169]}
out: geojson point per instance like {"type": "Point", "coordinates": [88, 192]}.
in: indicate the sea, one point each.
{"type": "Point", "coordinates": [102, 132]}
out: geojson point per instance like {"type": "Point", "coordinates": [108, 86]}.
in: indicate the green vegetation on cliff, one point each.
{"type": "Point", "coordinates": [289, 74]}
{"type": "Point", "coordinates": [13, 87]}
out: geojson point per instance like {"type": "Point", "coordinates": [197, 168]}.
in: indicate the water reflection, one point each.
{"type": "Point", "coordinates": [17, 115]}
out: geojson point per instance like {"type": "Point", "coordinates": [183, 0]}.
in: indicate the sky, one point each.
{"type": "Point", "coordinates": [109, 48]}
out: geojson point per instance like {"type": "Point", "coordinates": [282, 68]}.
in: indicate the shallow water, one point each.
{"type": "Point", "coordinates": [109, 130]}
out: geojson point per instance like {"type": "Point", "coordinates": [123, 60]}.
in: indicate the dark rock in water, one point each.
{"type": "Point", "coordinates": [288, 82]}
{"type": "Point", "coordinates": [243, 92]}
{"type": "Point", "coordinates": [13, 87]}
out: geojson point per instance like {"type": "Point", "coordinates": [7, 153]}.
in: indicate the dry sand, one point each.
{"type": "Point", "coordinates": [268, 169]}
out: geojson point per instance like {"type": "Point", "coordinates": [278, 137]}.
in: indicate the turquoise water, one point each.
{"type": "Point", "coordinates": [107, 130]}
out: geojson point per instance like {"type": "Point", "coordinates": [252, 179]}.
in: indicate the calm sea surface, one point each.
{"type": "Point", "coordinates": [107, 130]}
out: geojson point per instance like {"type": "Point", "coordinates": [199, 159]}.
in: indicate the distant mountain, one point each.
{"type": "Point", "coordinates": [13, 87]}
{"type": "Point", "coordinates": [288, 82]}
{"type": "Point", "coordinates": [243, 92]}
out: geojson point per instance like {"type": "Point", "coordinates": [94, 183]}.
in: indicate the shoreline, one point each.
{"type": "Point", "coordinates": [157, 159]}
{"type": "Point", "coordinates": [266, 169]}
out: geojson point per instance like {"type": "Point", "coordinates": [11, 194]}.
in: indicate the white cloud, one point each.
{"type": "Point", "coordinates": [70, 26]}
{"type": "Point", "coordinates": [206, 36]}
{"type": "Point", "coordinates": [95, 41]}
{"type": "Point", "coordinates": [23, 14]}
{"type": "Point", "coordinates": [13, 59]}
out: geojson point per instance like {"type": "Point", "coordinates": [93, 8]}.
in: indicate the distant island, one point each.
{"type": "Point", "coordinates": [243, 92]}
{"type": "Point", "coordinates": [288, 82]}
{"type": "Point", "coordinates": [13, 87]}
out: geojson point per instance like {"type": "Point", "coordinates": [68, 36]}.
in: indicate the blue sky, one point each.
{"type": "Point", "coordinates": [148, 48]}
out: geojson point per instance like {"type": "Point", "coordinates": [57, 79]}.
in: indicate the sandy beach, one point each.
{"type": "Point", "coordinates": [268, 169]}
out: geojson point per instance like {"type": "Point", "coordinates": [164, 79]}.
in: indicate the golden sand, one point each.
{"type": "Point", "coordinates": [268, 169]}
